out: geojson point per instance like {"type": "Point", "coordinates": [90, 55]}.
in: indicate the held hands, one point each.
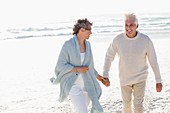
{"type": "Point", "coordinates": [158, 87]}
{"type": "Point", "coordinates": [105, 81]}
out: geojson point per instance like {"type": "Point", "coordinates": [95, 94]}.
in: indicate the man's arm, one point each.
{"type": "Point", "coordinates": [152, 58]}
{"type": "Point", "coordinates": [109, 57]}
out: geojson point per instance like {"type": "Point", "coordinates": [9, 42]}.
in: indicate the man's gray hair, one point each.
{"type": "Point", "coordinates": [131, 16]}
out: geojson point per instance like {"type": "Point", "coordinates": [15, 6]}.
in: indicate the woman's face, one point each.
{"type": "Point", "coordinates": [87, 32]}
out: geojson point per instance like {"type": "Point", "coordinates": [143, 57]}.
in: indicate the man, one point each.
{"type": "Point", "coordinates": [133, 49]}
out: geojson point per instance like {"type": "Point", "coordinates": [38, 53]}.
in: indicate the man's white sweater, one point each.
{"type": "Point", "coordinates": [133, 54]}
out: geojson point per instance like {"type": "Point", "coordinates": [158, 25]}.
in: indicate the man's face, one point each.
{"type": "Point", "coordinates": [130, 28]}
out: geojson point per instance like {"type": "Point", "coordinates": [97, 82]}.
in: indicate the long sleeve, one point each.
{"type": "Point", "coordinates": [109, 57]}
{"type": "Point", "coordinates": [153, 61]}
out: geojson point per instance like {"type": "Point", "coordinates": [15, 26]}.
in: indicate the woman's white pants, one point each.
{"type": "Point", "coordinates": [79, 98]}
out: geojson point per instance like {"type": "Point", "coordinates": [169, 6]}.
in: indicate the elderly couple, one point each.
{"type": "Point", "coordinates": [79, 79]}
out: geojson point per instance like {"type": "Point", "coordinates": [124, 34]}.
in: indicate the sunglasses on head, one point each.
{"type": "Point", "coordinates": [88, 29]}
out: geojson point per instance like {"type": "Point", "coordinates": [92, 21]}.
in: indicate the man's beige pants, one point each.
{"type": "Point", "coordinates": [138, 91]}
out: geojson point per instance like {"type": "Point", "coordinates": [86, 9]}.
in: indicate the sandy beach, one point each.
{"type": "Point", "coordinates": [27, 64]}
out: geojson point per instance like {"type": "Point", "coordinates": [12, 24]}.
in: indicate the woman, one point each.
{"type": "Point", "coordinates": [76, 73]}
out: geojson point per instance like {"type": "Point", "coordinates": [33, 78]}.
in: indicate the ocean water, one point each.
{"type": "Point", "coordinates": [102, 25]}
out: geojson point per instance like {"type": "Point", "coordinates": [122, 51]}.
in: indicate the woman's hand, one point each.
{"type": "Point", "coordinates": [80, 69]}
{"type": "Point", "coordinates": [100, 78]}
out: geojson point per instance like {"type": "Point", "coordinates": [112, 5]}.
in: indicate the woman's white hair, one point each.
{"type": "Point", "coordinates": [131, 16]}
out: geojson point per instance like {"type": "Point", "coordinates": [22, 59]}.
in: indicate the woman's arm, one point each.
{"type": "Point", "coordinates": [80, 69]}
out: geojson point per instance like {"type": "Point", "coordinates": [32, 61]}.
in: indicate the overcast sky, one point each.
{"type": "Point", "coordinates": [19, 11]}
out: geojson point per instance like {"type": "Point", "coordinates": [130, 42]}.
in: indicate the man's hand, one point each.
{"type": "Point", "coordinates": [106, 82]}
{"type": "Point", "coordinates": [158, 87]}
